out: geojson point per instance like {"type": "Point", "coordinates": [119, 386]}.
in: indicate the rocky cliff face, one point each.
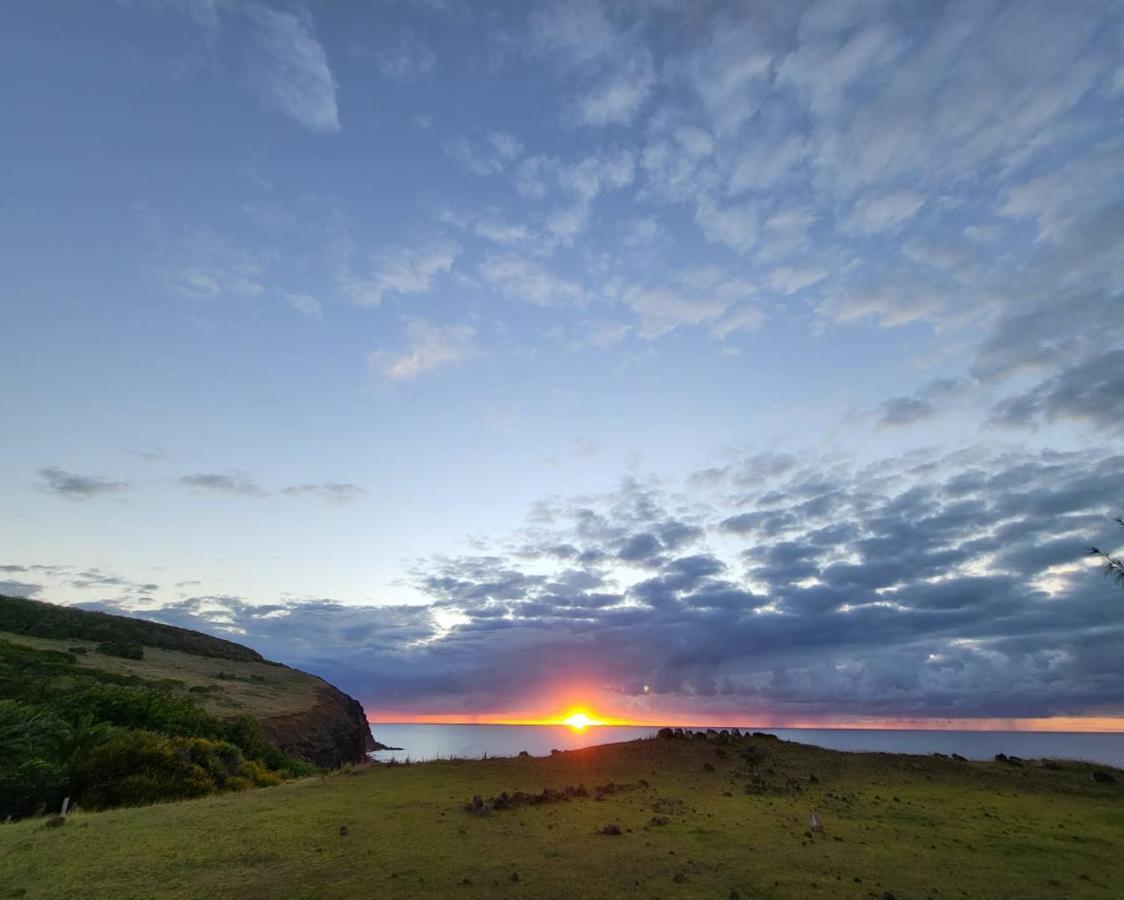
{"type": "Point", "coordinates": [332, 732]}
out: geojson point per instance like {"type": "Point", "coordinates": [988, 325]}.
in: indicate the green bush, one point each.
{"type": "Point", "coordinates": [32, 787]}
{"type": "Point", "coordinates": [135, 768]}
{"type": "Point", "coordinates": [143, 709]}
{"type": "Point", "coordinates": [124, 649]}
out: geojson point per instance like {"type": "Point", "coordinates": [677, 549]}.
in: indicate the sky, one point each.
{"type": "Point", "coordinates": [735, 363]}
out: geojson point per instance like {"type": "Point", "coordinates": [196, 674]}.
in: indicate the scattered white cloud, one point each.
{"type": "Point", "coordinates": [522, 279]}
{"type": "Point", "coordinates": [290, 67]}
{"type": "Point", "coordinates": [617, 98]}
{"type": "Point", "coordinates": [789, 281]}
{"type": "Point", "coordinates": [878, 212]}
{"type": "Point", "coordinates": [402, 270]}
{"type": "Point", "coordinates": [306, 305]}
{"type": "Point", "coordinates": [489, 156]}
{"type": "Point", "coordinates": [406, 60]}
{"type": "Point", "coordinates": [733, 225]}
{"type": "Point", "coordinates": [428, 347]}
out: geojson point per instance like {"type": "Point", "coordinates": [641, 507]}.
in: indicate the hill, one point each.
{"type": "Point", "coordinates": [669, 818]}
{"type": "Point", "coordinates": [65, 673]}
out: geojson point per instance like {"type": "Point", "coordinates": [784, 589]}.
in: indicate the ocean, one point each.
{"type": "Point", "coordinates": [426, 742]}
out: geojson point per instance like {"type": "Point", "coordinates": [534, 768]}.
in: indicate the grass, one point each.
{"type": "Point", "coordinates": [260, 689]}
{"type": "Point", "coordinates": [906, 826]}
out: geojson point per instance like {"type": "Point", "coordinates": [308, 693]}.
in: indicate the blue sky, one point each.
{"type": "Point", "coordinates": [328, 325]}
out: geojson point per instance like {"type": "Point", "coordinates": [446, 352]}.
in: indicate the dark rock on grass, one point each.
{"type": "Point", "coordinates": [1102, 777]}
{"type": "Point", "coordinates": [523, 754]}
{"type": "Point", "coordinates": [959, 758]}
{"type": "Point", "coordinates": [659, 820]}
{"type": "Point", "coordinates": [514, 876]}
{"type": "Point", "coordinates": [611, 829]}
{"type": "Point", "coordinates": [665, 733]}
{"type": "Point", "coordinates": [708, 767]}
{"type": "Point", "coordinates": [679, 878]}
{"type": "Point", "coordinates": [343, 831]}
{"type": "Point", "coordinates": [56, 821]}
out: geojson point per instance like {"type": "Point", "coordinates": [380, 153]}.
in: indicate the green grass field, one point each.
{"type": "Point", "coordinates": [901, 826]}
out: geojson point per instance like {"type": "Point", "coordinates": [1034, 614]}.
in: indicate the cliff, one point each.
{"type": "Point", "coordinates": [300, 713]}
{"type": "Point", "coordinates": [330, 732]}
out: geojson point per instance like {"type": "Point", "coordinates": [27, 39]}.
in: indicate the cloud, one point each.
{"type": "Point", "coordinates": [208, 266]}
{"type": "Point", "coordinates": [1090, 392]}
{"type": "Point", "coordinates": [527, 281]}
{"type": "Point", "coordinates": [407, 60]}
{"type": "Point", "coordinates": [428, 348]}
{"type": "Point", "coordinates": [78, 487]}
{"type": "Point", "coordinates": [402, 270]}
{"type": "Point", "coordinates": [306, 305]}
{"type": "Point", "coordinates": [290, 68]}
{"type": "Point", "coordinates": [794, 590]}
{"type": "Point", "coordinates": [881, 212]}
{"type": "Point", "coordinates": [733, 225]}
{"type": "Point", "coordinates": [619, 97]}
{"type": "Point", "coordinates": [332, 491]}
{"type": "Point", "coordinates": [490, 156]}
{"type": "Point", "coordinates": [236, 483]}
{"type": "Point", "coordinates": [19, 588]}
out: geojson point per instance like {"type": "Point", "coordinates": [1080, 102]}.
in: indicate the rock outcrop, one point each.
{"type": "Point", "coordinates": [334, 731]}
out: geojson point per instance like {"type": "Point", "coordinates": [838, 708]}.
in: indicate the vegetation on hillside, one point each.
{"type": "Point", "coordinates": [21, 616]}
{"type": "Point", "coordinates": [107, 739]}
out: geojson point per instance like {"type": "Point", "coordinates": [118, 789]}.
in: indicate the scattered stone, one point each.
{"type": "Point", "coordinates": [959, 758]}
{"type": "Point", "coordinates": [523, 754]}
{"type": "Point", "coordinates": [659, 820]}
{"type": "Point", "coordinates": [343, 831]}
{"type": "Point", "coordinates": [708, 767]}
{"type": "Point", "coordinates": [514, 876]}
{"type": "Point", "coordinates": [466, 882]}
{"type": "Point", "coordinates": [611, 829]}
{"type": "Point", "coordinates": [679, 878]}
{"type": "Point", "coordinates": [665, 733]}
{"type": "Point", "coordinates": [56, 821]}
{"type": "Point", "coordinates": [1102, 777]}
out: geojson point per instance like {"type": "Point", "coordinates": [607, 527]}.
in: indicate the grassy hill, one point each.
{"type": "Point", "coordinates": [697, 818]}
{"type": "Point", "coordinates": [111, 710]}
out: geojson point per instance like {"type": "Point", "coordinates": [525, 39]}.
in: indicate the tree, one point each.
{"type": "Point", "coordinates": [1112, 566]}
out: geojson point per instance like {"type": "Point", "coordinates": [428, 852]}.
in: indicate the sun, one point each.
{"type": "Point", "coordinates": [579, 721]}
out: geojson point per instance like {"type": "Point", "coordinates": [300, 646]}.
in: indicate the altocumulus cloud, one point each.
{"type": "Point", "coordinates": [925, 586]}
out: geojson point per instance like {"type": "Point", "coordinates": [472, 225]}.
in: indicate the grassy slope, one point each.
{"type": "Point", "coordinates": [955, 830]}
{"type": "Point", "coordinates": [260, 689]}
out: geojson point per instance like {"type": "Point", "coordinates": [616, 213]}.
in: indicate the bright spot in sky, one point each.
{"type": "Point", "coordinates": [579, 721]}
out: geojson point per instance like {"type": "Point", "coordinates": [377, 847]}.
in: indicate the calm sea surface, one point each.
{"type": "Point", "coordinates": [423, 742]}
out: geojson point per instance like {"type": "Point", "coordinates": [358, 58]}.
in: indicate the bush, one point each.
{"type": "Point", "coordinates": [124, 649]}
{"type": "Point", "coordinates": [135, 768]}
{"type": "Point", "coordinates": [143, 709]}
{"type": "Point", "coordinates": [32, 787]}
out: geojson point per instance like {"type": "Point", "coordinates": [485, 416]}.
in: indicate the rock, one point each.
{"type": "Point", "coordinates": [665, 733]}
{"type": "Point", "coordinates": [659, 820]}
{"type": "Point", "coordinates": [959, 758]}
{"type": "Point", "coordinates": [708, 767]}
{"type": "Point", "coordinates": [679, 878]}
{"type": "Point", "coordinates": [343, 831]}
{"type": "Point", "coordinates": [611, 829]}
{"type": "Point", "coordinates": [523, 754]}
{"type": "Point", "coordinates": [330, 733]}
{"type": "Point", "coordinates": [56, 821]}
{"type": "Point", "coordinates": [1102, 777]}
{"type": "Point", "coordinates": [514, 876]}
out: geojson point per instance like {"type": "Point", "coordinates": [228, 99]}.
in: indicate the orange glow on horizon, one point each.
{"type": "Point", "coordinates": [1076, 724]}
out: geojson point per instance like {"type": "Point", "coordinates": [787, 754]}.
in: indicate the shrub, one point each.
{"type": "Point", "coordinates": [144, 709]}
{"type": "Point", "coordinates": [32, 787]}
{"type": "Point", "coordinates": [124, 649]}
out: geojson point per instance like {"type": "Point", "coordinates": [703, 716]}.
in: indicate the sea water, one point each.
{"type": "Point", "coordinates": [426, 742]}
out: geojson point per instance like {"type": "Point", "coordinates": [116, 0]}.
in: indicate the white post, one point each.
{"type": "Point", "coordinates": [65, 805]}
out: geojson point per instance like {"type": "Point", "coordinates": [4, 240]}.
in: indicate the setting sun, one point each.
{"type": "Point", "coordinates": [579, 721]}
